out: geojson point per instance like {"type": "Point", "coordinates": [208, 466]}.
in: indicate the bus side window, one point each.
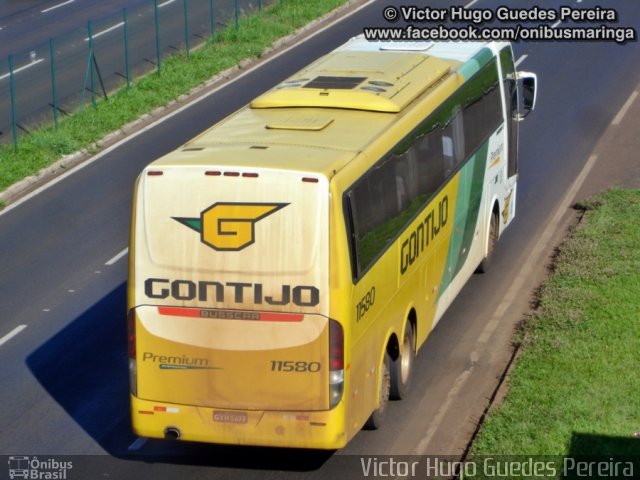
{"type": "Point", "coordinates": [447, 154]}
{"type": "Point", "coordinates": [384, 178]}
{"type": "Point", "coordinates": [374, 201]}
{"type": "Point", "coordinates": [403, 179]}
{"type": "Point", "coordinates": [453, 143]}
{"type": "Point", "coordinates": [431, 165]}
{"type": "Point", "coordinates": [483, 111]}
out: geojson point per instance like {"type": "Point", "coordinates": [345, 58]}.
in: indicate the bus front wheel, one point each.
{"type": "Point", "coordinates": [492, 239]}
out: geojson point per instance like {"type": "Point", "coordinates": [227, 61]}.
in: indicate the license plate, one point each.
{"type": "Point", "coordinates": [229, 417]}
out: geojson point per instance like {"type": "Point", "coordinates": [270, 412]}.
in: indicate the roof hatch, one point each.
{"type": "Point", "coordinates": [381, 81]}
{"type": "Point", "coordinates": [296, 123]}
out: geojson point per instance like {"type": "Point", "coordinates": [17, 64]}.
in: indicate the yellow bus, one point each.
{"type": "Point", "coordinates": [286, 264]}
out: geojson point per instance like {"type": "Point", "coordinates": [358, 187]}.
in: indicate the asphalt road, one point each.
{"type": "Point", "coordinates": [28, 23]}
{"type": "Point", "coordinates": [64, 376]}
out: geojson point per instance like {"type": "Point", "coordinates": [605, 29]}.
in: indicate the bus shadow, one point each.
{"type": "Point", "coordinates": [608, 456]}
{"type": "Point", "coordinates": [84, 368]}
{"type": "Point", "coordinates": [593, 444]}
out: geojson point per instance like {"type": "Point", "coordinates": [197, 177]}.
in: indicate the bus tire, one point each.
{"type": "Point", "coordinates": [402, 367]}
{"type": "Point", "coordinates": [492, 240]}
{"type": "Point", "coordinates": [378, 415]}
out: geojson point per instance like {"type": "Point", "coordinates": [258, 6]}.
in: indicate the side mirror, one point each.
{"type": "Point", "coordinates": [527, 83]}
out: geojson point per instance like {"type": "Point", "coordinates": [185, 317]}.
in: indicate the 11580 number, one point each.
{"type": "Point", "coordinates": [293, 366]}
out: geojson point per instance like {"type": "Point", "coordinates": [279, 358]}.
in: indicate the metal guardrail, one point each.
{"type": "Point", "coordinates": [57, 78]}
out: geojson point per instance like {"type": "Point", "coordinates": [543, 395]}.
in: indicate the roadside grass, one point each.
{"type": "Point", "coordinates": [178, 76]}
{"type": "Point", "coordinates": [575, 387]}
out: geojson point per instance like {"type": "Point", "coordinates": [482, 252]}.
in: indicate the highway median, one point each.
{"type": "Point", "coordinates": [84, 131]}
{"type": "Point", "coordinates": [573, 390]}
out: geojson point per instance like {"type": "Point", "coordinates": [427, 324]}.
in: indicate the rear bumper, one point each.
{"type": "Point", "coordinates": [321, 430]}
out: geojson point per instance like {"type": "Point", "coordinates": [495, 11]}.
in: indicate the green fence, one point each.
{"type": "Point", "coordinates": [72, 71]}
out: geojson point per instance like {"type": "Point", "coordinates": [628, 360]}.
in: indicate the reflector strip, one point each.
{"type": "Point", "coordinates": [159, 408]}
{"type": "Point", "coordinates": [230, 314]}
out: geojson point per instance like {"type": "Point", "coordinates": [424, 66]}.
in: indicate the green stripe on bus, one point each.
{"type": "Point", "coordinates": [477, 181]}
{"type": "Point", "coordinates": [469, 68]}
{"type": "Point", "coordinates": [459, 220]}
{"type": "Point", "coordinates": [466, 214]}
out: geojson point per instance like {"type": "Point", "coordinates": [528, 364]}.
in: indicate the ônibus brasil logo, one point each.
{"type": "Point", "coordinates": [34, 468]}
{"type": "Point", "coordinates": [230, 226]}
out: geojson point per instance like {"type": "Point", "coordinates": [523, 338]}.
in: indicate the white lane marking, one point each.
{"type": "Point", "coordinates": [521, 59]}
{"type": "Point", "coordinates": [177, 111]}
{"type": "Point", "coordinates": [117, 257]}
{"type": "Point", "coordinates": [536, 256]}
{"type": "Point", "coordinates": [166, 3]}
{"type": "Point", "coordinates": [107, 30]}
{"type": "Point", "coordinates": [618, 118]}
{"type": "Point", "coordinates": [24, 67]}
{"type": "Point", "coordinates": [57, 6]}
{"type": "Point", "coordinates": [137, 444]}
{"type": "Point", "coordinates": [12, 334]}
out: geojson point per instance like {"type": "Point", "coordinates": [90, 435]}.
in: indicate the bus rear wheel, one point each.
{"type": "Point", "coordinates": [402, 367]}
{"type": "Point", "coordinates": [377, 417]}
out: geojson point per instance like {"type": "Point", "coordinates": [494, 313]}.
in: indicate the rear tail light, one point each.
{"type": "Point", "coordinates": [131, 333]}
{"type": "Point", "coordinates": [336, 363]}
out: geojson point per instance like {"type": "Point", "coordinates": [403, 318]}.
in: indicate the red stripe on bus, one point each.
{"type": "Point", "coordinates": [197, 313]}
{"type": "Point", "coordinates": [179, 312]}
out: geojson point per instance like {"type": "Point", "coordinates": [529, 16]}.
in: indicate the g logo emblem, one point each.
{"type": "Point", "coordinates": [230, 226]}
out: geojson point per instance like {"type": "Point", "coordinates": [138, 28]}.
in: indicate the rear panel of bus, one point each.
{"type": "Point", "coordinates": [229, 332]}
